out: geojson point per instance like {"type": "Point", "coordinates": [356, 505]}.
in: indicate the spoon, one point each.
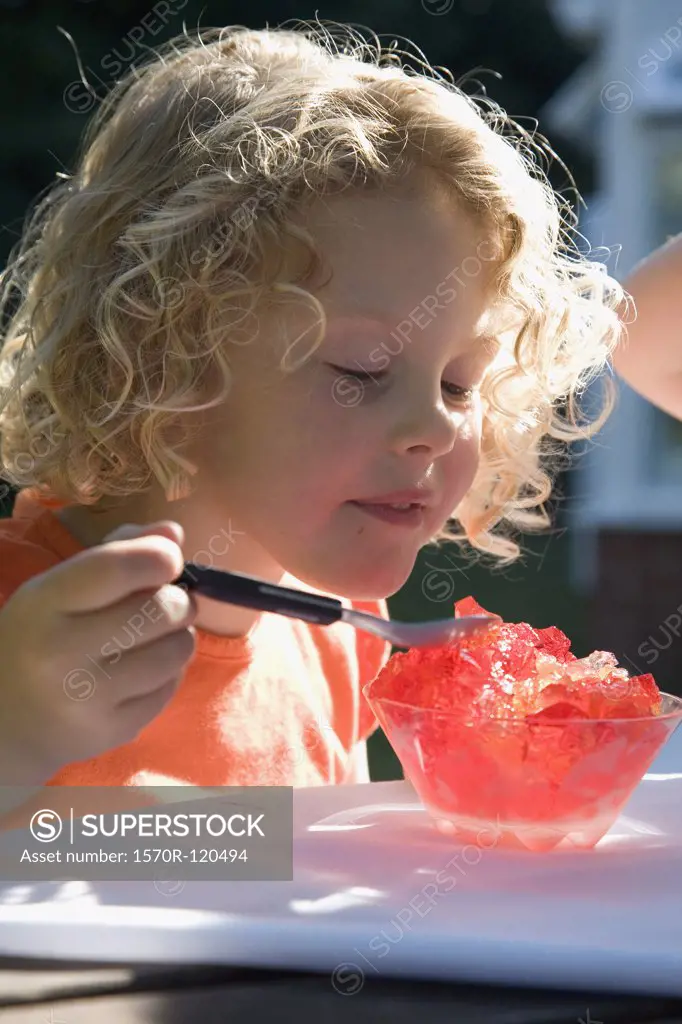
{"type": "Point", "coordinates": [251, 592]}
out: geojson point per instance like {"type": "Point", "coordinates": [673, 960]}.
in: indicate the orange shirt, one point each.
{"type": "Point", "coordinates": [280, 706]}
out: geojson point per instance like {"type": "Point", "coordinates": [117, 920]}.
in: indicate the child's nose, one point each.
{"type": "Point", "coordinates": [430, 429]}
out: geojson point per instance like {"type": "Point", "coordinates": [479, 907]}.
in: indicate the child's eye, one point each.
{"type": "Point", "coordinates": [362, 375]}
{"type": "Point", "coordinates": [457, 392]}
{"type": "Point", "coordinates": [454, 391]}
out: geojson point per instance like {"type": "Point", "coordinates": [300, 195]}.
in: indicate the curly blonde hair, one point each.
{"type": "Point", "coordinates": [134, 270]}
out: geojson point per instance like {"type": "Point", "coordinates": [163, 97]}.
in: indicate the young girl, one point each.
{"type": "Point", "coordinates": [297, 312]}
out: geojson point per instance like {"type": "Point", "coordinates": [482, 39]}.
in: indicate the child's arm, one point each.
{"type": "Point", "coordinates": [649, 357]}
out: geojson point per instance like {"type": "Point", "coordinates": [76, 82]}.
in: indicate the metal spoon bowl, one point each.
{"type": "Point", "coordinates": [251, 592]}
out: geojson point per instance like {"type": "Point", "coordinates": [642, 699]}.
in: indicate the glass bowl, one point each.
{"type": "Point", "coordinates": [522, 784]}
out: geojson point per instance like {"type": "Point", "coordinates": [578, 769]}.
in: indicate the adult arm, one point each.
{"type": "Point", "coordinates": [649, 357]}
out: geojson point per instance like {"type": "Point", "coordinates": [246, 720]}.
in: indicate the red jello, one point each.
{"type": "Point", "coordinates": [509, 728]}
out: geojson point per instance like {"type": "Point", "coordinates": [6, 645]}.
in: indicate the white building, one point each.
{"type": "Point", "coordinates": [625, 102]}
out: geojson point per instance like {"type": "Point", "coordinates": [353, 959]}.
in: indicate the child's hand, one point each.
{"type": "Point", "coordinates": [91, 651]}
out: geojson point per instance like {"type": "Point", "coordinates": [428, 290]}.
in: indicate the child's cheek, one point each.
{"type": "Point", "coordinates": [470, 422]}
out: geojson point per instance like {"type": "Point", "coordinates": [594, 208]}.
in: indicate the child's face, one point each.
{"type": "Point", "coordinates": [291, 457]}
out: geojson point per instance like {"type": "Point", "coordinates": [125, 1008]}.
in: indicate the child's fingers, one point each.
{"type": "Point", "coordinates": [145, 670]}
{"type": "Point", "coordinates": [133, 715]}
{"type": "Point", "coordinates": [164, 528]}
{"type": "Point", "coordinates": [142, 559]}
{"type": "Point", "coordinates": [136, 621]}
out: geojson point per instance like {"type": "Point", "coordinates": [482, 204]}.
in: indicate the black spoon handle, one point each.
{"type": "Point", "coordinates": [250, 592]}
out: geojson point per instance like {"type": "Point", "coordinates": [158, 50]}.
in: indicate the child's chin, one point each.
{"type": "Point", "coordinates": [369, 582]}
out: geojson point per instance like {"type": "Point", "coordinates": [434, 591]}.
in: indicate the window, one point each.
{"type": "Point", "coordinates": [667, 192]}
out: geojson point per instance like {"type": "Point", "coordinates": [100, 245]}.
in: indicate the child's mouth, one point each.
{"type": "Point", "coordinates": [398, 513]}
